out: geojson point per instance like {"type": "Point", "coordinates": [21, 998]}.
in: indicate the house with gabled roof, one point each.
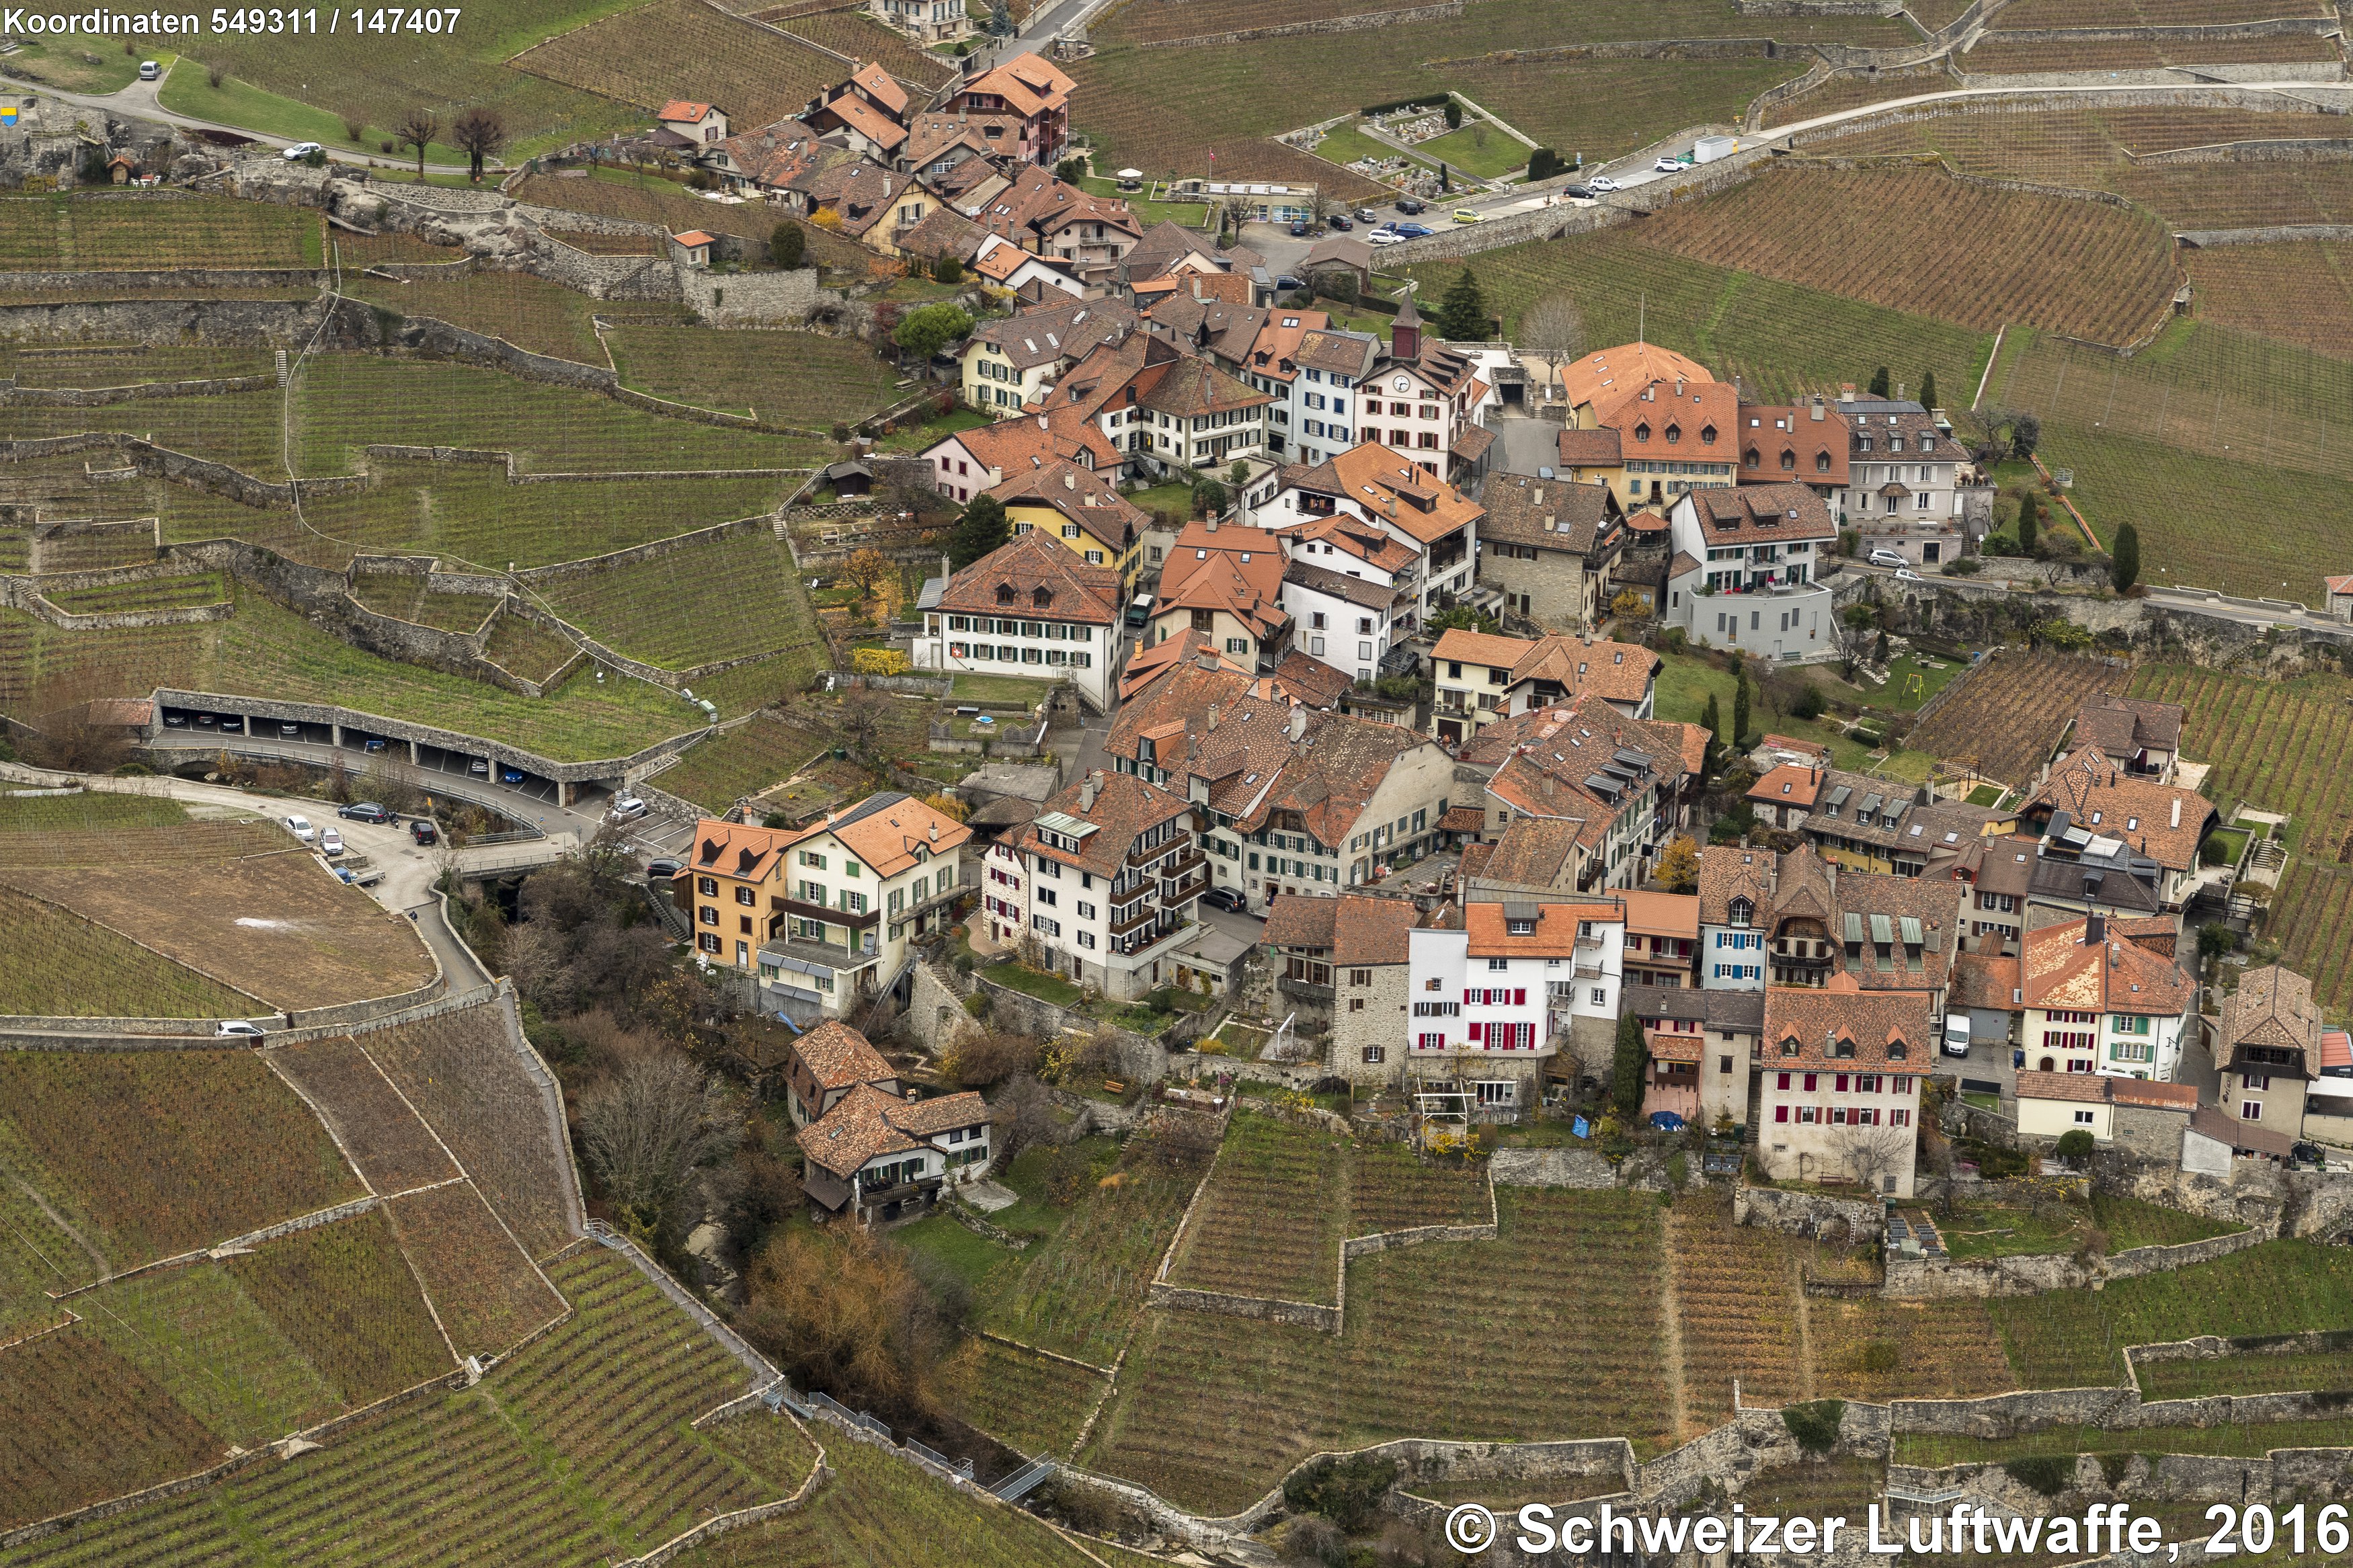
{"type": "Point", "coordinates": [701, 124]}
{"type": "Point", "coordinates": [1677, 754]}
{"type": "Point", "coordinates": [1080, 510]}
{"type": "Point", "coordinates": [2143, 1115]}
{"type": "Point", "coordinates": [1163, 410]}
{"type": "Point", "coordinates": [1482, 677]}
{"type": "Point", "coordinates": [1028, 89]}
{"type": "Point", "coordinates": [1295, 799]}
{"type": "Point", "coordinates": [1552, 547]}
{"type": "Point", "coordinates": [824, 1063]}
{"type": "Point", "coordinates": [968, 462]}
{"type": "Point", "coordinates": [1910, 486]}
{"type": "Point", "coordinates": [1840, 1087]}
{"type": "Point", "coordinates": [2267, 1044]}
{"type": "Point", "coordinates": [1702, 1047]}
{"type": "Point", "coordinates": [926, 22]}
{"type": "Point", "coordinates": [2094, 1003]}
{"type": "Point", "coordinates": [1503, 987]}
{"type": "Point", "coordinates": [1746, 570]}
{"type": "Point", "coordinates": [1227, 584]}
{"type": "Point", "coordinates": [1803, 443]}
{"type": "Point", "coordinates": [878, 1155]}
{"type": "Point", "coordinates": [1381, 488]}
{"type": "Point", "coordinates": [2142, 739]}
{"type": "Point", "coordinates": [1033, 609]}
{"type": "Point", "coordinates": [2095, 817]}
{"type": "Point", "coordinates": [822, 913]}
{"type": "Point", "coordinates": [1114, 871]}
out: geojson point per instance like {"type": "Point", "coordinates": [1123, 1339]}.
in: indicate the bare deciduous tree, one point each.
{"type": "Point", "coordinates": [645, 1134]}
{"type": "Point", "coordinates": [416, 129]}
{"type": "Point", "coordinates": [1873, 1155]}
{"type": "Point", "coordinates": [78, 734]}
{"type": "Point", "coordinates": [478, 133]}
{"type": "Point", "coordinates": [861, 719]}
{"type": "Point", "coordinates": [1554, 330]}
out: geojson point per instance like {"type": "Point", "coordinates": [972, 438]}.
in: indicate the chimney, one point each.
{"type": "Point", "coordinates": [1297, 721]}
{"type": "Point", "coordinates": [1817, 411]}
{"type": "Point", "coordinates": [1213, 717]}
{"type": "Point", "coordinates": [1041, 422]}
{"type": "Point", "coordinates": [1070, 481]}
{"type": "Point", "coordinates": [1087, 795]}
{"type": "Point", "coordinates": [913, 1095]}
{"type": "Point", "coordinates": [1209, 525]}
{"type": "Point", "coordinates": [946, 569]}
{"type": "Point", "coordinates": [2096, 928]}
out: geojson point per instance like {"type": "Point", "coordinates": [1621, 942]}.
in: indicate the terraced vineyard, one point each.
{"type": "Point", "coordinates": [78, 1423]}
{"type": "Point", "coordinates": [1997, 57]}
{"type": "Point", "coordinates": [743, 761]}
{"type": "Point", "coordinates": [1737, 1308]}
{"type": "Point", "coordinates": [1270, 1223]}
{"type": "Point", "coordinates": [56, 964]}
{"type": "Point", "coordinates": [643, 199]}
{"type": "Point", "coordinates": [2296, 293]}
{"type": "Point", "coordinates": [2074, 1338]}
{"type": "Point", "coordinates": [408, 599]}
{"type": "Point", "coordinates": [2011, 710]}
{"type": "Point", "coordinates": [1211, 1410]}
{"type": "Point", "coordinates": [652, 53]}
{"type": "Point", "coordinates": [155, 593]}
{"type": "Point", "coordinates": [392, 1150]}
{"type": "Point", "coordinates": [523, 647]}
{"type": "Point", "coordinates": [713, 600]}
{"type": "Point", "coordinates": [2073, 267]}
{"type": "Point", "coordinates": [1031, 1403]}
{"type": "Point", "coordinates": [1780, 338]}
{"type": "Point", "coordinates": [123, 230]}
{"type": "Point", "coordinates": [242, 1150]}
{"type": "Point", "coordinates": [803, 379]}
{"type": "Point", "coordinates": [485, 1289]}
{"type": "Point", "coordinates": [471, 1085]}
{"type": "Point", "coordinates": [1393, 1189]}
{"type": "Point", "coordinates": [2280, 746]}
{"type": "Point", "coordinates": [527, 311]}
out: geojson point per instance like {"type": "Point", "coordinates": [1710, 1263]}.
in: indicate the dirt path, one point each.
{"type": "Point", "coordinates": [1805, 1329]}
{"type": "Point", "coordinates": [1672, 1326]}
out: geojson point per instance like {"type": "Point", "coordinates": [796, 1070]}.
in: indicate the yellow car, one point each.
{"type": "Point", "coordinates": [1464, 214]}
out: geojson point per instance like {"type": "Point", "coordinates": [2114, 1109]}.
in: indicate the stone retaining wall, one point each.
{"type": "Point", "coordinates": [1931, 1278]}
{"type": "Point", "coordinates": [2277, 234]}
{"type": "Point", "coordinates": [2203, 32]}
{"type": "Point", "coordinates": [172, 277]}
{"type": "Point", "coordinates": [103, 397]}
{"type": "Point", "coordinates": [1807, 1213]}
{"type": "Point", "coordinates": [636, 554]}
{"type": "Point", "coordinates": [1265, 1308]}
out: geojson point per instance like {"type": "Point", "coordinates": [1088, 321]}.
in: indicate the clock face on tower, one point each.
{"type": "Point", "coordinates": [1402, 383]}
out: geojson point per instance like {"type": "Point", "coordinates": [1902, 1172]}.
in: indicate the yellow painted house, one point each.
{"type": "Point", "coordinates": [1081, 510]}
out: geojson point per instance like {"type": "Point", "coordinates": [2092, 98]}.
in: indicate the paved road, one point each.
{"type": "Point", "coordinates": [144, 101]}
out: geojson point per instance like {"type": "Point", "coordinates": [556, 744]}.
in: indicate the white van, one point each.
{"type": "Point", "coordinates": [1957, 1034]}
{"type": "Point", "coordinates": [150, 71]}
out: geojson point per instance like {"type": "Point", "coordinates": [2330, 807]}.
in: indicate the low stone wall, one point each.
{"type": "Point", "coordinates": [1808, 1214]}
{"type": "Point", "coordinates": [1577, 1168]}
{"type": "Point", "coordinates": [636, 553]}
{"type": "Point", "coordinates": [2276, 234]}
{"type": "Point", "coordinates": [2269, 150]}
{"type": "Point", "coordinates": [170, 277]}
{"type": "Point", "coordinates": [1264, 1309]}
{"type": "Point", "coordinates": [1932, 1279]}
{"type": "Point", "coordinates": [2283, 1475]}
{"type": "Point", "coordinates": [2196, 32]}
{"type": "Point", "coordinates": [754, 298]}
{"type": "Point", "coordinates": [1625, 50]}
{"type": "Point", "coordinates": [104, 396]}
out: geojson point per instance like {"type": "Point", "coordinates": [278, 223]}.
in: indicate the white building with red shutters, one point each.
{"type": "Point", "coordinates": [1839, 1098]}
{"type": "Point", "coordinates": [1494, 991]}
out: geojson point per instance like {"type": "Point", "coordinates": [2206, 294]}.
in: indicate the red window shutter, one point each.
{"type": "Point", "coordinates": [1469, 996]}
{"type": "Point", "coordinates": [1519, 996]}
{"type": "Point", "coordinates": [1785, 1081]}
{"type": "Point", "coordinates": [1810, 1083]}
{"type": "Point", "coordinates": [1475, 1028]}
{"type": "Point", "coordinates": [1781, 1113]}
{"type": "Point", "coordinates": [1841, 1083]}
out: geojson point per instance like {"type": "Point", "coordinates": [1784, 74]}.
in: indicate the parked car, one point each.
{"type": "Point", "coordinates": [1415, 230]}
{"type": "Point", "coordinates": [422, 831]}
{"type": "Point", "coordinates": [625, 808]}
{"type": "Point", "coordinates": [663, 868]}
{"type": "Point", "coordinates": [1670, 165]}
{"type": "Point", "coordinates": [330, 843]}
{"type": "Point", "coordinates": [175, 720]}
{"type": "Point", "coordinates": [509, 776]}
{"type": "Point", "coordinates": [1906, 574]}
{"type": "Point", "coordinates": [367, 811]}
{"type": "Point", "coordinates": [1410, 208]}
{"type": "Point", "coordinates": [149, 70]}
{"type": "Point", "coordinates": [205, 720]}
{"type": "Point", "coordinates": [232, 723]}
{"type": "Point", "coordinates": [299, 827]}
{"type": "Point", "coordinates": [1384, 235]}
{"type": "Point", "coordinates": [1464, 214]}
{"type": "Point", "coordinates": [1340, 223]}
{"type": "Point", "coordinates": [1287, 282]}
{"type": "Point", "coordinates": [373, 745]}
{"type": "Point", "coordinates": [237, 1028]}
{"type": "Point", "coordinates": [1602, 184]}
{"type": "Point", "coordinates": [290, 732]}
{"type": "Point", "coordinates": [1888, 558]}
{"type": "Point", "coordinates": [480, 768]}
{"type": "Point", "coordinates": [1367, 215]}
{"type": "Point", "coordinates": [1226, 898]}
{"type": "Point", "coordinates": [302, 149]}
{"type": "Point", "coordinates": [1577, 193]}
{"type": "Point", "coordinates": [1957, 1034]}
{"type": "Point", "coordinates": [1301, 228]}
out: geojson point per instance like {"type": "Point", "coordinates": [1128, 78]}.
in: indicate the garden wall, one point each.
{"type": "Point", "coordinates": [1933, 1278]}
{"type": "Point", "coordinates": [1808, 1214]}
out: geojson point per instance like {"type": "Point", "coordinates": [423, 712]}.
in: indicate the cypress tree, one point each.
{"type": "Point", "coordinates": [2029, 508]}
{"type": "Point", "coordinates": [1928, 389]}
{"type": "Point", "coordinates": [1626, 1076]}
{"type": "Point", "coordinates": [980, 531]}
{"type": "Point", "coordinates": [1740, 709]}
{"type": "Point", "coordinates": [1879, 382]}
{"type": "Point", "coordinates": [2124, 559]}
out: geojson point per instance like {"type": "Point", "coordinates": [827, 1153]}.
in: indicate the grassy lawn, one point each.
{"type": "Point", "coordinates": [916, 438]}
{"type": "Point", "coordinates": [1192, 214]}
{"type": "Point", "coordinates": [1030, 982]}
{"type": "Point", "coordinates": [2230, 842]}
{"type": "Point", "coordinates": [1343, 144]}
{"type": "Point", "coordinates": [1686, 680]}
{"type": "Point", "coordinates": [1478, 150]}
{"type": "Point", "coordinates": [1001, 689]}
{"type": "Point", "coordinates": [187, 91]}
{"type": "Point", "coordinates": [1171, 500]}
{"type": "Point", "coordinates": [1987, 794]}
{"type": "Point", "coordinates": [83, 62]}
{"type": "Point", "coordinates": [2007, 1232]}
{"type": "Point", "coordinates": [967, 1253]}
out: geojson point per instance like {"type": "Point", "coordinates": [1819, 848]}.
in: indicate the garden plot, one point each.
{"type": "Point", "coordinates": [1271, 1220]}
{"type": "Point", "coordinates": [226, 1149]}
{"type": "Point", "coordinates": [467, 1081]}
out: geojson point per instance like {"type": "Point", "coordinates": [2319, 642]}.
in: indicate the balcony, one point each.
{"type": "Point", "coordinates": [1176, 890]}
{"type": "Point", "coordinates": [1144, 917]}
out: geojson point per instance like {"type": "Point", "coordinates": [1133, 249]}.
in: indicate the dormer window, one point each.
{"type": "Point", "coordinates": [1749, 458]}
{"type": "Point", "coordinates": [1005, 592]}
{"type": "Point", "coordinates": [1789, 1046]}
{"type": "Point", "coordinates": [1740, 911]}
{"type": "Point", "coordinates": [1041, 597]}
{"type": "Point", "coordinates": [1641, 432]}
{"type": "Point", "coordinates": [1707, 435]}
{"type": "Point", "coordinates": [1842, 1049]}
{"type": "Point", "coordinates": [1520, 927]}
{"type": "Point", "coordinates": [1788, 462]}
{"type": "Point", "coordinates": [1821, 462]}
{"type": "Point", "coordinates": [1674, 433]}
{"type": "Point", "coordinates": [1897, 1050]}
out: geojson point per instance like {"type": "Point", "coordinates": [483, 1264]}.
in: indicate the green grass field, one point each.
{"type": "Point", "coordinates": [1780, 338]}
{"type": "Point", "coordinates": [1478, 150]}
{"type": "Point", "coordinates": [188, 89]}
{"type": "Point", "coordinates": [2280, 1374]}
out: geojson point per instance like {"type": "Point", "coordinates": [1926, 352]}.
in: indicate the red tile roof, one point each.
{"type": "Point", "coordinates": [1010, 580]}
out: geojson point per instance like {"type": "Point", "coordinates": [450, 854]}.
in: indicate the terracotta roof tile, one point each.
{"type": "Point", "coordinates": [2161, 821]}
{"type": "Point", "coordinates": [1296, 920]}
{"type": "Point", "coordinates": [838, 1056]}
{"type": "Point", "coordinates": [1555, 935]}
{"type": "Point", "coordinates": [2060, 970]}
{"type": "Point", "coordinates": [1028, 567]}
{"type": "Point", "coordinates": [1370, 930]}
{"type": "Point", "coordinates": [1876, 1023]}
